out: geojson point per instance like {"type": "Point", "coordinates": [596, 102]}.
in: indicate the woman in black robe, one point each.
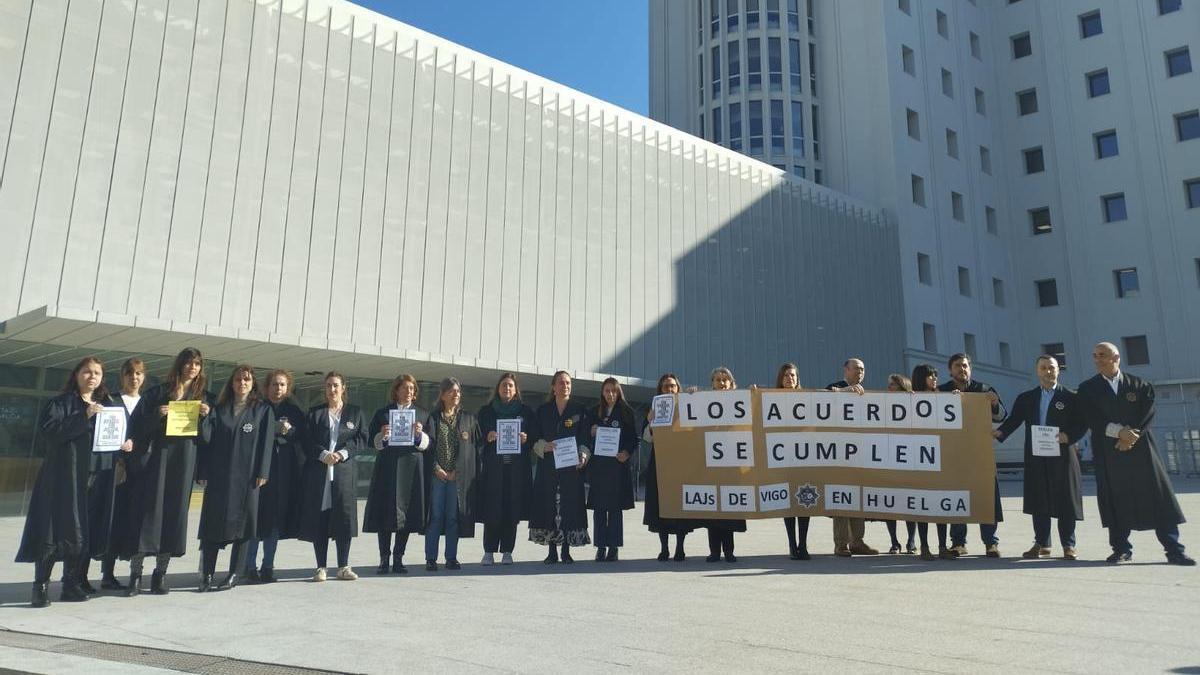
{"type": "Point", "coordinates": [396, 498]}
{"type": "Point", "coordinates": [667, 384]}
{"type": "Point", "coordinates": [557, 514]}
{"type": "Point", "coordinates": [788, 377]}
{"type": "Point", "coordinates": [56, 527]}
{"type": "Point", "coordinates": [504, 478]}
{"type": "Point", "coordinates": [720, 532]}
{"type": "Point", "coordinates": [108, 528]}
{"type": "Point", "coordinates": [165, 466]}
{"type": "Point", "coordinates": [277, 499]}
{"type": "Point", "coordinates": [236, 463]}
{"type": "Point", "coordinates": [610, 481]}
{"type": "Point", "coordinates": [925, 378]}
{"type": "Point", "coordinates": [336, 433]}
{"type": "Point", "coordinates": [898, 382]}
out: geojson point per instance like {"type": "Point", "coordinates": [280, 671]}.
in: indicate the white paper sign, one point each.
{"type": "Point", "coordinates": [401, 423]}
{"type": "Point", "coordinates": [110, 430]}
{"type": "Point", "coordinates": [662, 410]}
{"type": "Point", "coordinates": [508, 437]}
{"type": "Point", "coordinates": [607, 441]}
{"type": "Point", "coordinates": [1044, 441]}
{"type": "Point", "coordinates": [566, 453]}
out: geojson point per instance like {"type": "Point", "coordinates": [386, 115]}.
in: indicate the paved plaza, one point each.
{"type": "Point", "coordinates": [765, 613]}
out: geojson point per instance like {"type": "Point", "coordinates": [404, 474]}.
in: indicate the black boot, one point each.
{"type": "Point", "coordinates": [135, 586]}
{"type": "Point", "coordinates": [679, 554]}
{"type": "Point", "coordinates": [398, 565]}
{"type": "Point", "coordinates": [158, 583]}
{"type": "Point", "coordinates": [663, 554]}
{"type": "Point", "coordinates": [599, 554]}
{"type": "Point", "coordinates": [612, 554]}
{"type": "Point", "coordinates": [566, 554]}
{"type": "Point", "coordinates": [267, 575]}
{"type": "Point", "coordinates": [206, 583]}
{"type": "Point", "coordinates": [72, 592]}
{"type": "Point", "coordinates": [41, 595]}
{"type": "Point", "coordinates": [228, 582]}
{"type": "Point", "coordinates": [252, 576]}
{"type": "Point", "coordinates": [384, 565]}
{"type": "Point", "coordinates": [553, 556]}
{"type": "Point", "coordinates": [111, 583]}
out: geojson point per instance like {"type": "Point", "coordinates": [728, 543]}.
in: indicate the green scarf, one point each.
{"type": "Point", "coordinates": [505, 410]}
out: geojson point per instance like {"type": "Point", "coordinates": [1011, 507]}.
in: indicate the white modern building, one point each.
{"type": "Point", "coordinates": [1040, 157]}
{"type": "Point", "coordinates": [310, 185]}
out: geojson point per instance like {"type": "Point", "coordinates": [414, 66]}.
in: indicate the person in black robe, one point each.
{"type": "Point", "coordinates": [898, 382]}
{"type": "Point", "coordinates": [277, 501]}
{"type": "Point", "coordinates": [720, 532]}
{"type": "Point", "coordinates": [1053, 485]}
{"type": "Point", "coordinates": [396, 498]}
{"type": "Point", "coordinates": [56, 526]}
{"type": "Point", "coordinates": [236, 463]}
{"type": "Point", "coordinates": [454, 440]}
{"type": "Point", "coordinates": [336, 432]}
{"type": "Point", "coordinates": [925, 378]}
{"type": "Point", "coordinates": [848, 533]}
{"type": "Point", "coordinates": [610, 479]}
{"type": "Point", "coordinates": [960, 380]}
{"type": "Point", "coordinates": [668, 383]}
{"type": "Point", "coordinates": [557, 514]}
{"type": "Point", "coordinates": [108, 529]}
{"type": "Point", "coordinates": [796, 527]}
{"type": "Point", "coordinates": [165, 466]}
{"type": "Point", "coordinates": [1132, 486]}
{"type": "Point", "coordinates": [504, 478]}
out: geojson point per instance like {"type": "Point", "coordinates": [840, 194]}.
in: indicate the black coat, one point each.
{"type": "Point", "coordinates": [238, 453]}
{"type": "Point", "coordinates": [610, 481]}
{"type": "Point", "coordinates": [504, 480]}
{"type": "Point", "coordinates": [108, 500]}
{"type": "Point", "coordinates": [56, 525]}
{"type": "Point", "coordinates": [1053, 485]}
{"type": "Point", "coordinates": [465, 470]}
{"type": "Point", "coordinates": [278, 500]}
{"type": "Point", "coordinates": [1132, 487]}
{"type": "Point", "coordinates": [351, 437]}
{"type": "Point", "coordinates": [650, 515]}
{"type": "Point", "coordinates": [396, 499]}
{"type": "Point", "coordinates": [566, 483]}
{"type": "Point", "coordinates": [161, 480]}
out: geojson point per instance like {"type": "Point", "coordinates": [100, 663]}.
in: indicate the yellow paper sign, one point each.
{"type": "Point", "coordinates": [183, 418]}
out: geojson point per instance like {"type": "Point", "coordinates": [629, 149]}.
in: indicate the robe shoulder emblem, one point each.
{"type": "Point", "coordinates": [350, 426]}
{"type": "Point", "coordinates": [1131, 397]}
{"type": "Point", "coordinates": [247, 428]}
{"type": "Point", "coordinates": [1059, 405]}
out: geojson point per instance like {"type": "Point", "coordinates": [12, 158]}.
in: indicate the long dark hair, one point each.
{"type": "Point", "coordinates": [227, 391]}
{"type": "Point", "coordinates": [175, 378]}
{"type": "Point", "coordinates": [72, 384]}
{"type": "Point", "coordinates": [621, 407]}
{"type": "Point", "coordinates": [921, 374]}
{"type": "Point", "coordinates": [662, 382]}
{"type": "Point", "coordinates": [496, 389]}
{"type": "Point", "coordinates": [783, 369]}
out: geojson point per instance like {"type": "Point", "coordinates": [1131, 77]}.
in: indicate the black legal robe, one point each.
{"type": "Point", "coordinates": [351, 437]}
{"type": "Point", "coordinates": [238, 452]}
{"type": "Point", "coordinates": [568, 482]}
{"type": "Point", "coordinates": [651, 510]}
{"type": "Point", "coordinates": [504, 480]}
{"type": "Point", "coordinates": [277, 500]}
{"type": "Point", "coordinates": [610, 482]}
{"type": "Point", "coordinates": [998, 414]}
{"type": "Point", "coordinates": [396, 498]}
{"type": "Point", "coordinates": [1053, 485]}
{"type": "Point", "coordinates": [56, 525]}
{"type": "Point", "coordinates": [108, 501]}
{"type": "Point", "coordinates": [1132, 487]}
{"type": "Point", "coordinates": [161, 480]}
{"type": "Point", "coordinates": [465, 470]}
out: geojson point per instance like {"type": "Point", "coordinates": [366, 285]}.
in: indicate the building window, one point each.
{"type": "Point", "coordinates": [812, 18]}
{"type": "Point", "coordinates": [797, 129]}
{"type": "Point", "coordinates": [795, 77]}
{"type": "Point", "coordinates": [715, 64]}
{"type": "Point", "coordinates": [1191, 189]}
{"type": "Point", "coordinates": [905, 6]}
{"type": "Point", "coordinates": [943, 24]}
{"type": "Point", "coordinates": [930, 335]}
{"type": "Point", "coordinates": [775, 63]}
{"type": "Point", "coordinates": [1179, 62]}
{"type": "Point", "coordinates": [816, 137]}
{"type": "Point", "coordinates": [812, 68]}
{"type": "Point", "coordinates": [1047, 292]}
{"type": "Point", "coordinates": [1114, 207]}
{"type": "Point", "coordinates": [989, 219]}
{"type": "Point", "coordinates": [756, 127]}
{"type": "Point", "coordinates": [947, 83]}
{"type": "Point", "coordinates": [1126, 280]}
{"type": "Point", "coordinates": [952, 143]}
{"type": "Point", "coordinates": [793, 16]}
{"type": "Point", "coordinates": [1168, 6]}
{"type": "Point", "coordinates": [985, 160]}
{"type": "Point", "coordinates": [969, 345]}
{"type": "Point", "coordinates": [701, 127]}
{"type": "Point", "coordinates": [1136, 351]}
{"type": "Point", "coordinates": [731, 21]}
{"type": "Point", "coordinates": [1039, 219]}
{"type": "Point", "coordinates": [1097, 83]}
{"type": "Point", "coordinates": [733, 62]}
{"type": "Point", "coordinates": [997, 292]}
{"type": "Point", "coordinates": [753, 63]}
{"type": "Point", "coordinates": [914, 124]}
{"type": "Point", "coordinates": [1027, 102]}
{"type": "Point", "coordinates": [976, 48]}
{"type": "Point", "coordinates": [980, 103]}
{"type": "Point", "coordinates": [777, 133]}
{"type": "Point", "coordinates": [909, 60]}
{"type": "Point", "coordinates": [772, 13]}
{"type": "Point", "coordinates": [956, 207]}
{"type": "Point", "coordinates": [799, 170]}
{"type": "Point", "coordinates": [717, 127]}
{"type": "Point", "coordinates": [964, 282]}
{"type": "Point", "coordinates": [1198, 272]}
{"type": "Point", "coordinates": [924, 273]}
{"type": "Point", "coordinates": [1059, 353]}
{"type": "Point", "coordinates": [1106, 144]}
{"type": "Point", "coordinates": [1005, 355]}
{"type": "Point", "coordinates": [1187, 125]}
{"type": "Point", "coordinates": [1090, 25]}
{"type": "Point", "coordinates": [715, 17]}
{"type": "Point", "coordinates": [918, 190]}
{"type": "Point", "coordinates": [735, 126]}
{"type": "Point", "coordinates": [1021, 46]}
{"type": "Point", "coordinates": [817, 177]}
{"type": "Point", "coordinates": [1035, 161]}
{"type": "Point", "coordinates": [700, 69]}
{"type": "Point", "coordinates": [751, 14]}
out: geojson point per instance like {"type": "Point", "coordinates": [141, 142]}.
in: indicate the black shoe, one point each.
{"type": "Point", "coordinates": [664, 555]}
{"type": "Point", "coordinates": [384, 567]}
{"type": "Point", "coordinates": [206, 583]}
{"type": "Point", "coordinates": [599, 554]}
{"type": "Point", "coordinates": [679, 555]}
{"type": "Point", "coordinates": [87, 587]}
{"type": "Point", "coordinates": [730, 558]}
{"type": "Point", "coordinates": [252, 576]}
{"type": "Point", "coordinates": [228, 582]}
{"type": "Point", "coordinates": [612, 554]}
{"type": "Point", "coordinates": [453, 565]}
{"type": "Point", "coordinates": [713, 557]}
{"type": "Point", "coordinates": [566, 558]}
{"type": "Point", "coordinates": [794, 554]}
{"type": "Point", "coordinates": [135, 586]}
{"type": "Point", "coordinates": [1119, 557]}
{"type": "Point", "coordinates": [111, 583]}
{"type": "Point", "coordinates": [802, 554]}
{"type": "Point", "coordinates": [399, 568]}
{"type": "Point", "coordinates": [430, 565]}
{"type": "Point", "coordinates": [1180, 559]}
{"type": "Point", "coordinates": [158, 583]}
{"type": "Point", "coordinates": [41, 595]}
{"type": "Point", "coordinates": [551, 559]}
{"type": "Point", "coordinates": [72, 592]}
{"type": "Point", "coordinates": [267, 575]}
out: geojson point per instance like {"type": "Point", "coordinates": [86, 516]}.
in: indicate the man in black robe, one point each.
{"type": "Point", "coordinates": [1052, 480]}
{"type": "Point", "coordinates": [960, 374]}
{"type": "Point", "coordinates": [848, 532]}
{"type": "Point", "coordinates": [1132, 487]}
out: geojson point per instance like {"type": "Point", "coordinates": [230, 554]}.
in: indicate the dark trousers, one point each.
{"type": "Point", "coordinates": [909, 525]}
{"type": "Point", "coordinates": [321, 550]}
{"type": "Point", "coordinates": [386, 548]}
{"type": "Point", "coordinates": [209, 557]}
{"type": "Point", "coordinates": [43, 569]}
{"type": "Point", "coordinates": [500, 538]}
{"type": "Point", "coordinates": [1168, 536]}
{"type": "Point", "coordinates": [720, 540]}
{"type": "Point", "coordinates": [1041, 531]}
{"type": "Point", "coordinates": [987, 533]}
{"type": "Point", "coordinates": [797, 533]}
{"type": "Point", "coordinates": [609, 528]}
{"type": "Point", "coordinates": [136, 561]}
{"type": "Point", "coordinates": [923, 531]}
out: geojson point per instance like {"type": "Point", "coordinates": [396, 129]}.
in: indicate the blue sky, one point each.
{"type": "Point", "coordinates": [596, 46]}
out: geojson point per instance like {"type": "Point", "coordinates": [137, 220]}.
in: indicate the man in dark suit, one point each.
{"type": "Point", "coordinates": [1052, 476]}
{"type": "Point", "coordinates": [960, 374]}
{"type": "Point", "coordinates": [1132, 487]}
{"type": "Point", "coordinates": [848, 532]}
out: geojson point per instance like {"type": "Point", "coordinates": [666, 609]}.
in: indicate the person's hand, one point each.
{"type": "Point", "coordinates": [524, 438]}
{"type": "Point", "coordinates": [993, 398]}
{"type": "Point", "coordinates": [996, 434]}
{"type": "Point", "coordinates": [259, 482]}
{"type": "Point", "coordinates": [451, 476]}
{"type": "Point", "coordinates": [127, 446]}
{"type": "Point", "coordinates": [856, 389]}
{"type": "Point", "coordinates": [163, 410]}
{"type": "Point", "coordinates": [549, 450]}
{"type": "Point", "coordinates": [1062, 438]}
{"type": "Point", "coordinates": [204, 409]}
{"type": "Point", "coordinates": [92, 409]}
{"type": "Point", "coordinates": [1129, 436]}
{"type": "Point", "coordinates": [622, 456]}
{"type": "Point", "coordinates": [330, 459]}
{"type": "Point", "coordinates": [594, 427]}
{"type": "Point", "coordinates": [386, 430]}
{"type": "Point", "coordinates": [201, 482]}
{"type": "Point", "coordinates": [1122, 446]}
{"type": "Point", "coordinates": [491, 437]}
{"type": "Point", "coordinates": [284, 427]}
{"type": "Point", "coordinates": [417, 429]}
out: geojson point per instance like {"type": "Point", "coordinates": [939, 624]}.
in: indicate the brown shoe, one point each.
{"type": "Point", "coordinates": [1036, 552]}
{"type": "Point", "coordinates": [947, 554]}
{"type": "Point", "coordinates": [862, 549]}
{"type": "Point", "coordinates": [959, 549]}
{"type": "Point", "coordinates": [841, 552]}
{"type": "Point", "coordinates": [1069, 553]}
{"type": "Point", "coordinates": [993, 551]}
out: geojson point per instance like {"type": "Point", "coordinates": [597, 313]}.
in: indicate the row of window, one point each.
{"type": "Point", "coordinates": [942, 22]}
{"type": "Point", "coordinates": [908, 61]}
{"type": "Point", "coordinates": [1090, 25]}
{"type": "Point", "coordinates": [1164, 6]}
{"type": "Point", "coordinates": [1112, 206]}
{"type": "Point", "coordinates": [731, 76]}
{"type": "Point", "coordinates": [1135, 349]}
{"type": "Point", "coordinates": [752, 18]}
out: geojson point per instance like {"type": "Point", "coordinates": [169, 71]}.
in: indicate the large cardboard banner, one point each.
{"type": "Point", "coordinates": [769, 453]}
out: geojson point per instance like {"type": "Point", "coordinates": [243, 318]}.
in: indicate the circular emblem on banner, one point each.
{"type": "Point", "coordinates": [350, 426]}
{"type": "Point", "coordinates": [1059, 405]}
{"type": "Point", "coordinates": [615, 423]}
{"type": "Point", "coordinates": [466, 436]}
{"type": "Point", "coordinates": [807, 496]}
{"type": "Point", "coordinates": [1131, 397]}
{"type": "Point", "coordinates": [247, 427]}
{"type": "Point", "coordinates": [569, 423]}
